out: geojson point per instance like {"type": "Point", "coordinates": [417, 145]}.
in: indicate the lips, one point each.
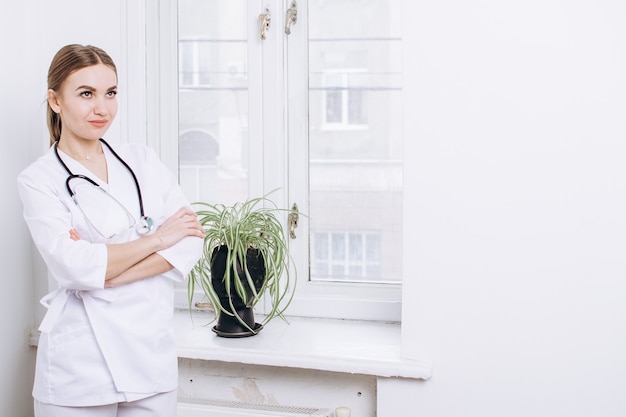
{"type": "Point", "coordinates": [98, 123]}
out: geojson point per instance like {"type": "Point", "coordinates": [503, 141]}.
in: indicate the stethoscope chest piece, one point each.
{"type": "Point", "coordinates": [144, 225]}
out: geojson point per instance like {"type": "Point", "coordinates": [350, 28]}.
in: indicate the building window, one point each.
{"type": "Point", "coordinates": [345, 104]}
{"type": "Point", "coordinates": [337, 256]}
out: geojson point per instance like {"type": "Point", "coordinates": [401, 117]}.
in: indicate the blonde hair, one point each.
{"type": "Point", "coordinates": [68, 59]}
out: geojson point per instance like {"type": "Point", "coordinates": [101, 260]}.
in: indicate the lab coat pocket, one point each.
{"type": "Point", "coordinates": [74, 360]}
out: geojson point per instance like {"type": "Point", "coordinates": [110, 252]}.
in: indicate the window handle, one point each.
{"type": "Point", "coordinates": [293, 220]}
{"type": "Point", "coordinates": [291, 17]}
{"type": "Point", "coordinates": [264, 23]}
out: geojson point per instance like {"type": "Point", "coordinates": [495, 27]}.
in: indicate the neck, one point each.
{"type": "Point", "coordinates": [81, 152]}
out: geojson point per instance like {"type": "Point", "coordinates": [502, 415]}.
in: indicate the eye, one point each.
{"type": "Point", "coordinates": [112, 93]}
{"type": "Point", "coordinates": [86, 94]}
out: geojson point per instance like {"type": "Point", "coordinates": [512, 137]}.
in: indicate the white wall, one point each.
{"type": "Point", "coordinates": [517, 139]}
{"type": "Point", "coordinates": [31, 32]}
{"type": "Point", "coordinates": [16, 300]}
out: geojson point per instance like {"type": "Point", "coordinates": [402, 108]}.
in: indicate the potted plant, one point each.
{"type": "Point", "coordinates": [245, 258]}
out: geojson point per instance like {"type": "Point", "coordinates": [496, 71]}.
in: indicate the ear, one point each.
{"type": "Point", "coordinates": [53, 101]}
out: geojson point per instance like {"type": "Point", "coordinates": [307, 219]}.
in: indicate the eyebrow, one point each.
{"type": "Point", "coordinates": [87, 87]}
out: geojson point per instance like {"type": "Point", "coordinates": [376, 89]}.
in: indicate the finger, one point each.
{"type": "Point", "coordinates": [74, 234]}
{"type": "Point", "coordinates": [186, 211]}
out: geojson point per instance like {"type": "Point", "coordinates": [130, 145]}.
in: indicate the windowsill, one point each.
{"type": "Point", "coordinates": [355, 347]}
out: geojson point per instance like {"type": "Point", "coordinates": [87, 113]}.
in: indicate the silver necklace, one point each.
{"type": "Point", "coordinates": [86, 157]}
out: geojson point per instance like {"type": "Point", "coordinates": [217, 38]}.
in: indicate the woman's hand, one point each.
{"type": "Point", "coordinates": [74, 234]}
{"type": "Point", "coordinates": [179, 225]}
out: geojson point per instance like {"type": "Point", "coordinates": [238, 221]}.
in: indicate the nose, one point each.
{"type": "Point", "coordinates": [100, 107]}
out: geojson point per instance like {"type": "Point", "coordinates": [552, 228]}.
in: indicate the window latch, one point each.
{"type": "Point", "coordinates": [264, 23]}
{"type": "Point", "coordinates": [293, 220]}
{"type": "Point", "coordinates": [291, 17]}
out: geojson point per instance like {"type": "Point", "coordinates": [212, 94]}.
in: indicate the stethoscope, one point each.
{"type": "Point", "coordinates": [145, 223]}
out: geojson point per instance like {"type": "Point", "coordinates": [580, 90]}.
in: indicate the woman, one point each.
{"type": "Point", "coordinates": [116, 233]}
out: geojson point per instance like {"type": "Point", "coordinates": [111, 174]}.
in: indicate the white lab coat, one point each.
{"type": "Point", "coordinates": [103, 345]}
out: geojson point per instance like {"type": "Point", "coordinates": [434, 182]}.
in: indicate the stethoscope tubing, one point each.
{"type": "Point", "coordinates": [82, 177]}
{"type": "Point", "coordinates": [146, 222]}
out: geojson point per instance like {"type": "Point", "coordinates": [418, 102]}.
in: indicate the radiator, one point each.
{"type": "Point", "coordinates": [217, 408]}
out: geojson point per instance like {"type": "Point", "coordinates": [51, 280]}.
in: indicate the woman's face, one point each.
{"type": "Point", "coordinates": [86, 102]}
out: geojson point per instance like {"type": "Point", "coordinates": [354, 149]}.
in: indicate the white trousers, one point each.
{"type": "Point", "coordinates": [159, 405]}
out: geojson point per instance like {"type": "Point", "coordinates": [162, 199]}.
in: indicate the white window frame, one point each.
{"type": "Point", "coordinates": [280, 132]}
{"type": "Point", "coordinates": [347, 300]}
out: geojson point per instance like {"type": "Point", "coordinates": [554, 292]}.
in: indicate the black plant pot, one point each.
{"type": "Point", "coordinates": [241, 323]}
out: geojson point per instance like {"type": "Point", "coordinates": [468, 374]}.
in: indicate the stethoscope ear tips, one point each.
{"type": "Point", "coordinates": [144, 225]}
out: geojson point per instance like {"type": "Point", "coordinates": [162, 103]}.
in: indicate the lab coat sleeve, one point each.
{"type": "Point", "coordinates": [78, 265]}
{"type": "Point", "coordinates": [185, 254]}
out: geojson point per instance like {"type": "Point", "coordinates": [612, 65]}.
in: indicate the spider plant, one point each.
{"type": "Point", "coordinates": [250, 225]}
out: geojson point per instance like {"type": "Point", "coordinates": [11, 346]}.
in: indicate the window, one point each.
{"type": "Point", "coordinates": [339, 255]}
{"type": "Point", "coordinates": [344, 106]}
{"type": "Point", "coordinates": [213, 100]}
{"type": "Point", "coordinates": [355, 142]}
{"type": "Point", "coordinates": [314, 114]}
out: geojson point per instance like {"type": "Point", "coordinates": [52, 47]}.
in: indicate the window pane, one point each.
{"type": "Point", "coordinates": [338, 247]}
{"type": "Point", "coordinates": [333, 107]}
{"type": "Point", "coordinates": [357, 107]}
{"type": "Point", "coordinates": [213, 100]}
{"type": "Point", "coordinates": [356, 247]}
{"type": "Point", "coordinates": [355, 138]}
{"type": "Point", "coordinates": [186, 71]}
